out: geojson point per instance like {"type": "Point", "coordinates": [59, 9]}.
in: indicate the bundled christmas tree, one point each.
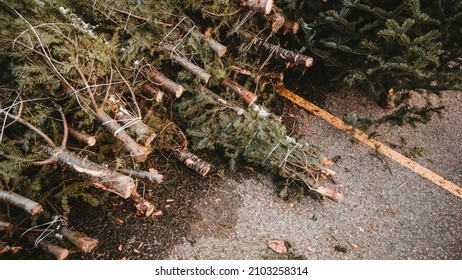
{"type": "Point", "coordinates": [101, 76]}
{"type": "Point", "coordinates": [385, 47]}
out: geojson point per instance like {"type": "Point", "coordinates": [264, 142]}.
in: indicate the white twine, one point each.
{"type": "Point", "coordinates": [274, 149]}
{"type": "Point", "coordinates": [170, 32]}
{"type": "Point", "coordinates": [283, 162]}
{"type": "Point", "coordinates": [45, 232]}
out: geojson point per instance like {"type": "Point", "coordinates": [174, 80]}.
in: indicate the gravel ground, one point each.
{"type": "Point", "coordinates": [388, 212]}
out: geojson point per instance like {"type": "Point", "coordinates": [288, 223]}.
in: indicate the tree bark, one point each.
{"type": "Point", "coordinates": [21, 202]}
{"type": "Point", "coordinates": [165, 83]}
{"type": "Point", "coordinates": [4, 226]}
{"type": "Point", "coordinates": [56, 251]}
{"type": "Point", "coordinates": [285, 54]}
{"type": "Point", "coordinates": [214, 45]}
{"type": "Point", "coordinates": [138, 152]}
{"type": "Point", "coordinates": [224, 102]}
{"type": "Point", "coordinates": [83, 136]}
{"type": "Point", "coordinates": [143, 175]}
{"type": "Point", "coordinates": [155, 92]}
{"type": "Point", "coordinates": [262, 6]}
{"type": "Point", "coordinates": [247, 96]}
{"type": "Point", "coordinates": [203, 75]}
{"type": "Point", "coordinates": [98, 175]}
{"type": "Point", "coordinates": [144, 134]}
{"type": "Point", "coordinates": [83, 242]}
{"type": "Point", "coordinates": [193, 162]}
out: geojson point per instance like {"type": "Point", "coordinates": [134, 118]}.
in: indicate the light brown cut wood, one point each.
{"type": "Point", "coordinates": [247, 96]}
{"type": "Point", "coordinates": [138, 152]}
{"type": "Point", "coordinates": [21, 202]}
{"type": "Point", "coordinates": [82, 136]}
{"type": "Point", "coordinates": [173, 88]}
{"type": "Point", "coordinates": [82, 241]}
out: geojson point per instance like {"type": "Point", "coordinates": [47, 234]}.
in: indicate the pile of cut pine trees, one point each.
{"type": "Point", "coordinates": [96, 88]}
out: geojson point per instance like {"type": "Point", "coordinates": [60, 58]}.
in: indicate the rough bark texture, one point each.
{"type": "Point", "coordinates": [144, 134]}
{"type": "Point", "coordinates": [165, 83]}
{"type": "Point", "coordinates": [143, 175]}
{"type": "Point", "coordinates": [138, 152]}
{"type": "Point", "coordinates": [21, 202]}
{"type": "Point", "coordinates": [203, 75]}
{"type": "Point", "coordinates": [83, 242]}
{"type": "Point", "coordinates": [58, 252]}
{"type": "Point", "coordinates": [224, 102]}
{"type": "Point", "coordinates": [247, 96]}
{"type": "Point", "coordinates": [193, 162]}
{"type": "Point", "coordinates": [82, 136]}
{"type": "Point", "coordinates": [285, 54]}
{"type": "Point", "coordinates": [98, 175]}
{"type": "Point", "coordinates": [213, 44]}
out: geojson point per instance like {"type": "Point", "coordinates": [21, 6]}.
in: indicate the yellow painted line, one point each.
{"type": "Point", "coordinates": [377, 145]}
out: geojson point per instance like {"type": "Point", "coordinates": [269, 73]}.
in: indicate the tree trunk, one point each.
{"type": "Point", "coordinates": [285, 54]}
{"type": "Point", "coordinates": [83, 136]}
{"type": "Point", "coordinates": [193, 162]}
{"type": "Point", "coordinates": [138, 152]}
{"type": "Point", "coordinates": [223, 102]}
{"type": "Point", "coordinates": [98, 175]}
{"type": "Point", "coordinates": [21, 202]}
{"type": "Point", "coordinates": [155, 92]}
{"type": "Point", "coordinates": [203, 75]}
{"type": "Point", "coordinates": [143, 175]}
{"type": "Point", "coordinates": [144, 134]}
{"type": "Point", "coordinates": [247, 96]}
{"type": "Point", "coordinates": [165, 83]}
{"type": "Point", "coordinates": [56, 251]}
{"type": "Point", "coordinates": [83, 242]}
{"type": "Point", "coordinates": [214, 45]}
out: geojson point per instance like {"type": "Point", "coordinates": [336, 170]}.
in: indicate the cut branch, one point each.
{"type": "Point", "coordinates": [21, 202]}
{"type": "Point", "coordinates": [203, 75]}
{"type": "Point", "coordinates": [56, 251]}
{"type": "Point", "coordinates": [155, 92]}
{"type": "Point", "coordinates": [285, 54]}
{"type": "Point", "coordinates": [144, 134]}
{"type": "Point", "coordinates": [262, 6]}
{"type": "Point", "coordinates": [98, 175]}
{"type": "Point", "coordinates": [193, 162]}
{"type": "Point", "coordinates": [165, 83]}
{"type": "Point", "coordinates": [83, 242]}
{"type": "Point", "coordinates": [82, 136]}
{"type": "Point", "coordinates": [143, 175]}
{"type": "Point", "coordinates": [138, 152]}
{"type": "Point", "coordinates": [214, 45]}
{"type": "Point", "coordinates": [247, 96]}
{"type": "Point", "coordinates": [223, 102]}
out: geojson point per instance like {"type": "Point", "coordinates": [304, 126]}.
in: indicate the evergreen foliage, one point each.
{"type": "Point", "coordinates": [381, 45]}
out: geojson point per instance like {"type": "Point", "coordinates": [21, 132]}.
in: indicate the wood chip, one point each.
{"type": "Point", "coordinates": [277, 246]}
